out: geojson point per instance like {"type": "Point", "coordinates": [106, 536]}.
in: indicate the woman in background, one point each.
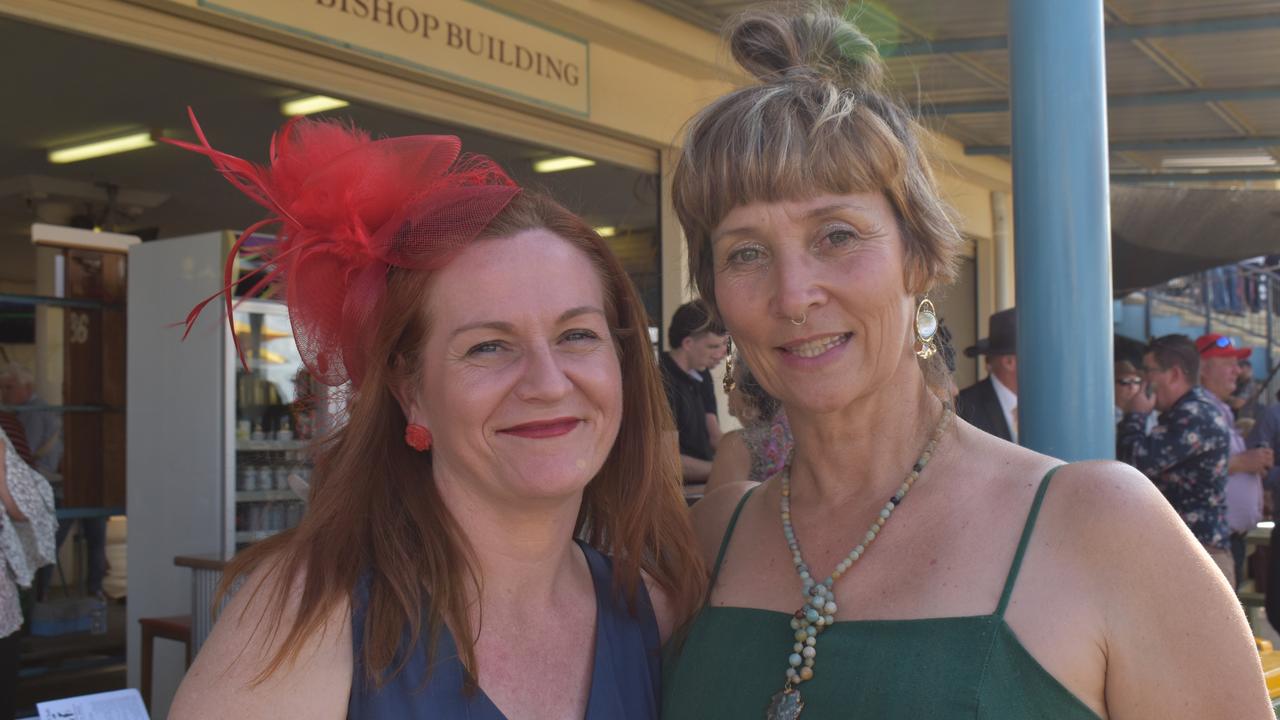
{"type": "Point", "coordinates": [759, 449]}
{"type": "Point", "coordinates": [27, 527]}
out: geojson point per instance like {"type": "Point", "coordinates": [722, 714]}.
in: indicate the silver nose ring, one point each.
{"type": "Point", "coordinates": [804, 317]}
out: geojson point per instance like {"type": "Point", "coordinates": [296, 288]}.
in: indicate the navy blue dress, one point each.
{"type": "Point", "coordinates": [625, 676]}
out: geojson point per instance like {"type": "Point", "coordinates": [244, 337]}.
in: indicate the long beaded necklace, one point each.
{"type": "Point", "coordinates": [819, 609]}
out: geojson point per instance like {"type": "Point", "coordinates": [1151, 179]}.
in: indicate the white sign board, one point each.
{"type": "Point", "coordinates": [114, 705]}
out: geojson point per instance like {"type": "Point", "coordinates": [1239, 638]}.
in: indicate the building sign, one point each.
{"type": "Point", "coordinates": [455, 39]}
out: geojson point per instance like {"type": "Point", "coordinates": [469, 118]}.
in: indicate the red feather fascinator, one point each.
{"type": "Point", "coordinates": [350, 208]}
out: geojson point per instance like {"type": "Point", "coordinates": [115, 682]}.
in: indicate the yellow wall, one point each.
{"type": "Point", "coordinates": [649, 72]}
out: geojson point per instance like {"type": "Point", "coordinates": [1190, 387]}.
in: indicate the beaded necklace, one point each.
{"type": "Point", "coordinates": [819, 609]}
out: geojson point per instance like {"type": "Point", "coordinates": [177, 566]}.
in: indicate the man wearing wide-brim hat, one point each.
{"type": "Point", "coordinates": [992, 404]}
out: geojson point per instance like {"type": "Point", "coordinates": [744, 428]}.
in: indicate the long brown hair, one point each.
{"type": "Point", "coordinates": [374, 508]}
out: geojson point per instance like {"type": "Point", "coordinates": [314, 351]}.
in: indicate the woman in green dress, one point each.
{"type": "Point", "coordinates": [904, 564]}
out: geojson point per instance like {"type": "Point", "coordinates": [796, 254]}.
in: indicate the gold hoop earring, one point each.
{"type": "Point", "coordinates": [730, 383]}
{"type": "Point", "coordinates": [926, 328]}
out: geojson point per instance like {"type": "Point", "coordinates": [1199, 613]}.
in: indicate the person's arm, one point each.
{"type": "Point", "coordinates": [732, 462]}
{"type": "Point", "coordinates": [6, 498]}
{"type": "Point", "coordinates": [713, 431]}
{"type": "Point", "coordinates": [45, 439]}
{"type": "Point", "coordinates": [1177, 438]}
{"type": "Point", "coordinates": [222, 682]}
{"type": "Point", "coordinates": [39, 433]}
{"type": "Point", "coordinates": [1254, 461]}
{"type": "Point", "coordinates": [1176, 643]}
{"type": "Point", "coordinates": [707, 390]}
{"type": "Point", "coordinates": [1267, 432]}
{"type": "Point", "coordinates": [1133, 441]}
{"type": "Point", "coordinates": [694, 470]}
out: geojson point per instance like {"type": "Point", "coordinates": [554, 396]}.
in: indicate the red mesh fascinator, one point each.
{"type": "Point", "coordinates": [350, 208]}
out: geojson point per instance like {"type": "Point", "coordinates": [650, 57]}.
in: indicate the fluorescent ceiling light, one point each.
{"type": "Point", "coordinates": [311, 104]}
{"type": "Point", "coordinates": [606, 231]}
{"type": "Point", "coordinates": [565, 162]}
{"type": "Point", "coordinates": [99, 148]}
{"type": "Point", "coordinates": [1222, 161]}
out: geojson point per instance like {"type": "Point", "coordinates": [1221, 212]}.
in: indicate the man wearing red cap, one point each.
{"type": "Point", "coordinates": [1219, 370]}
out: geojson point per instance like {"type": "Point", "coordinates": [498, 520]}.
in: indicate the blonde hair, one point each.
{"type": "Point", "coordinates": [819, 120]}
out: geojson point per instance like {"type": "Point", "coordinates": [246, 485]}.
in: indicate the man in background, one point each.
{"type": "Point", "coordinates": [43, 428]}
{"type": "Point", "coordinates": [991, 404]}
{"type": "Point", "coordinates": [1186, 453]}
{"type": "Point", "coordinates": [1243, 400]}
{"type": "Point", "coordinates": [1267, 433]}
{"type": "Point", "coordinates": [697, 345]}
{"type": "Point", "coordinates": [1219, 369]}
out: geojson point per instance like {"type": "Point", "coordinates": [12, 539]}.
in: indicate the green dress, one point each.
{"type": "Point", "coordinates": [732, 660]}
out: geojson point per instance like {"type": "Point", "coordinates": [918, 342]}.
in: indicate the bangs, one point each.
{"type": "Point", "coordinates": [770, 144]}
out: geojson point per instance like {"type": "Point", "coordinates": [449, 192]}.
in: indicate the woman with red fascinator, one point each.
{"type": "Point", "coordinates": [497, 531]}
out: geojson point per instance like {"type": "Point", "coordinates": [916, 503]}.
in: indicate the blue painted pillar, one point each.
{"type": "Point", "coordinates": [1062, 228]}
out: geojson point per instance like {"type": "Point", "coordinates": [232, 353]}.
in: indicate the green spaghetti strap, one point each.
{"type": "Point", "coordinates": [1024, 541]}
{"type": "Point", "coordinates": [724, 542]}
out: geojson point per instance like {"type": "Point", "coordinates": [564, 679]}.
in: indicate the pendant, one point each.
{"type": "Point", "coordinates": [786, 705]}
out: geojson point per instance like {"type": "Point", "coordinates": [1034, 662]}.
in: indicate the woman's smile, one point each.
{"type": "Point", "coordinates": [815, 347]}
{"type": "Point", "coordinates": [544, 429]}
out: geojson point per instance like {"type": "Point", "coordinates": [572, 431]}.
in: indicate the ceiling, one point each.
{"type": "Point", "coordinates": [72, 88]}
{"type": "Point", "coordinates": [1192, 84]}
{"type": "Point", "coordinates": [1159, 233]}
{"type": "Point", "coordinates": [1179, 71]}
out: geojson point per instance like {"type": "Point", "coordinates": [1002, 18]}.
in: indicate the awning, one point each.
{"type": "Point", "coordinates": [1160, 233]}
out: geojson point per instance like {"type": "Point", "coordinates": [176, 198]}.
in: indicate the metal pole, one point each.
{"type": "Point", "coordinates": [1267, 288]}
{"type": "Point", "coordinates": [1206, 291]}
{"type": "Point", "coordinates": [1062, 228]}
{"type": "Point", "coordinates": [1146, 315]}
{"type": "Point", "coordinates": [1002, 249]}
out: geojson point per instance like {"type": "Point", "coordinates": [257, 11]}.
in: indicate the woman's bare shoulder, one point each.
{"type": "Point", "coordinates": [1151, 579]}
{"type": "Point", "coordinates": [979, 454]}
{"type": "Point", "coordinates": [1108, 501]}
{"type": "Point", "coordinates": [732, 462]}
{"type": "Point", "coordinates": [227, 677]}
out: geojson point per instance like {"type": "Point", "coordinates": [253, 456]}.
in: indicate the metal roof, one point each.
{"type": "Point", "coordinates": [1193, 85]}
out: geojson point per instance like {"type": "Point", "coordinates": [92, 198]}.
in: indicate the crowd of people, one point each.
{"type": "Point", "coordinates": [499, 529]}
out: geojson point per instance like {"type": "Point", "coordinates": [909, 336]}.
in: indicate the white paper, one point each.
{"type": "Point", "coordinates": [114, 705]}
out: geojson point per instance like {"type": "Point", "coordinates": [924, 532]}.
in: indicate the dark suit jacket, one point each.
{"type": "Point", "coordinates": [980, 407]}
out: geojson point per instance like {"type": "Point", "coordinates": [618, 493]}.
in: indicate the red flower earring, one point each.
{"type": "Point", "coordinates": [417, 437]}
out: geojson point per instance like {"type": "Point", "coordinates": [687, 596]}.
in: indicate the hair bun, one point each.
{"type": "Point", "coordinates": [811, 41]}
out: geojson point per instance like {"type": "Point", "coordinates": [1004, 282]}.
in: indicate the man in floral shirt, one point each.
{"type": "Point", "coordinates": [1186, 453]}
